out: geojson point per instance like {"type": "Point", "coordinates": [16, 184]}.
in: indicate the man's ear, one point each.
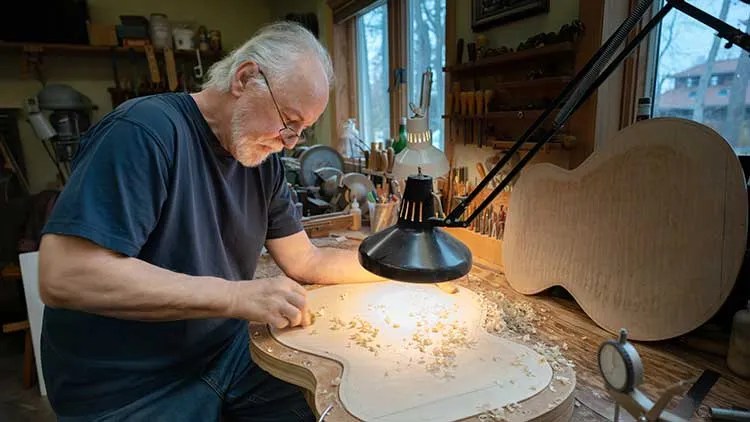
{"type": "Point", "coordinates": [243, 76]}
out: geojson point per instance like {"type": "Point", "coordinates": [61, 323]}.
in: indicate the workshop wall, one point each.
{"type": "Point", "coordinates": [92, 75]}
{"type": "Point", "coordinates": [510, 34]}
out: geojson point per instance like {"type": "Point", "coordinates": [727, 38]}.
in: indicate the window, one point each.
{"type": "Point", "coordinates": [380, 51]}
{"type": "Point", "coordinates": [697, 78]}
{"type": "Point", "coordinates": [426, 49]}
{"type": "Point", "coordinates": [372, 74]}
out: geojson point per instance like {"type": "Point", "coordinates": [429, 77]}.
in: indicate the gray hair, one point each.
{"type": "Point", "coordinates": [276, 48]}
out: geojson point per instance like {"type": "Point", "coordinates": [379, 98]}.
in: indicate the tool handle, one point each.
{"type": "Point", "coordinates": [718, 414]}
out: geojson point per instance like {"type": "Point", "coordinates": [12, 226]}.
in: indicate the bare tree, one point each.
{"type": "Point", "coordinates": [734, 127]}
{"type": "Point", "coordinates": [666, 39]}
{"type": "Point", "coordinates": [700, 96]}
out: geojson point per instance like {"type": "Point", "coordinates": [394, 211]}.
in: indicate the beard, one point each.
{"type": "Point", "coordinates": [243, 147]}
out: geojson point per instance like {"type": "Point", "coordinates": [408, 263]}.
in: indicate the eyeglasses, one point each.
{"type": "Point", "coordinates": [288, 135]}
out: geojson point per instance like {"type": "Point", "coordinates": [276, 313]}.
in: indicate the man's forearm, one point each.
{"type": "Point", "coordinates": [335, 266]}
{"type": "Point", "coordinates": [76, 274]}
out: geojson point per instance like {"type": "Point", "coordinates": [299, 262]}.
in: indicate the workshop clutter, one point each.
{"type": "Point", "coordinates": [156, 30]}
{"type": "Point", "coordinates": [490, 221]}
{"type": "Point", "coordinates": [161, 41]}
{"type": "Point", "coordinates": [382, 215]}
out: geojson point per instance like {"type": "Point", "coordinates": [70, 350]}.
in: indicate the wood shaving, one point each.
{"type": "Point", "coordinates": [489, 414]}
{"type": "Point", "coordinates": [553, 356]}
{"type": "Point", "coordinates": [563, 380]}
{"type": "Point", "coordinates": [505, 317]}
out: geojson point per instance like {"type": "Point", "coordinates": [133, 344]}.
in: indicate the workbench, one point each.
{"type": "Point", "coordinates": [560, 321]}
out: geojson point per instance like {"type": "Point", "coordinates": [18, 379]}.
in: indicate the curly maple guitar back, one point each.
{"type": "Point", "coordinates": [648, 233]}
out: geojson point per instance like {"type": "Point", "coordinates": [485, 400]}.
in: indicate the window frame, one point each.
{"type": "Point", "coordinates": [346, 95]}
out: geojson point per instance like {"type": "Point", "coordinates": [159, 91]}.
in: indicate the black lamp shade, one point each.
{"type": "Point", "coordinates": [414, 250]}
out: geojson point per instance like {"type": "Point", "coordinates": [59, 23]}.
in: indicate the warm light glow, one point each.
{"type": "Point", "coordinates": [411, 346]}
{"type": "Point", "coordinates": [420, 137]}
{"type": "Point", "coordinates": [416, 324]}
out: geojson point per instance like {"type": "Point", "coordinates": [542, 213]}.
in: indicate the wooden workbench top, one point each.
{"type": "Point", "coordinates": [561, 322]}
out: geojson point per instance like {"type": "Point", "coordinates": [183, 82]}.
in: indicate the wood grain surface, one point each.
{"type": "Point", "coordinates": [560, 320]}
{"type": "Point", "coordinates": [648, 233]}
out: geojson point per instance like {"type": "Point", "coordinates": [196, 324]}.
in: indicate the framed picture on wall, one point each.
{"type": "Point", "coordinates": [489, 13]}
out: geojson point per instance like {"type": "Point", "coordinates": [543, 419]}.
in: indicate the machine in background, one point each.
{"type": "Point", "coordinates": [319, 183]}
{"type": "Point", "coordinates": [59, 115]}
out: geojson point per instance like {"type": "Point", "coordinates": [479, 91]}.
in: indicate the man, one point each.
{"type": "Point", "coordinates": [146, 263]}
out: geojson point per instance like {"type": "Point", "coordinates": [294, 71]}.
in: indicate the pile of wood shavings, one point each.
{"type": "Point", "coordinates": [517, 320]}
{"type": "Point", "coordinates": [437, 343]}
{"type": "Point", "coordinates": [512, 318]}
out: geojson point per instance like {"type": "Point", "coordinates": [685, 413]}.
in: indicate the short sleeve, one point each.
{"type": "Point", "coordinates": [116, 190]}
{"type": "Point", "coordinates": [283, 217]}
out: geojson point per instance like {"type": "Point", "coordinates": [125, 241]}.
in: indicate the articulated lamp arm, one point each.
{"type": "Point", "coordinates": [583, 85]}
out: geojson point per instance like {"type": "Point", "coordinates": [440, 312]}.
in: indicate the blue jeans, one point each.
{"type": "Point", "coordinates": [231, 388]}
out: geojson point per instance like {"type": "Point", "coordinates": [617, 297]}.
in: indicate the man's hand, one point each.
{"type": "Point", "coordinates": [278, 301]}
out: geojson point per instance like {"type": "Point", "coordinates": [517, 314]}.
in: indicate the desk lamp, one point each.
{"type": "Point", "coordinates": [417, 250]}
{"type": "Point", "coordinates": [414, 249]}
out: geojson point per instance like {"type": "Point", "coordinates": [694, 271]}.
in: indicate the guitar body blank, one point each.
{"type": "Point", "coordinates": [648, 233]}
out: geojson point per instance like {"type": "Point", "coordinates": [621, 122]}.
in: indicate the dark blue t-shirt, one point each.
{"type": "Point", "coordinates": [151, 181]}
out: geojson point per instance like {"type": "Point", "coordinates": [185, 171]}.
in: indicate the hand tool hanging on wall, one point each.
{"type": "Point", "coordinates": [198, 68]}
{"type": "Point", "coordinates": [479, 115]}
{"type": "Point", "coordinates": [153, 66]}
{"type": "Point", "coordinates": [464, 111]}
{"type": "Point", "coordinates": [471, 111]}
{"type": "Point", "coordinates": [171, 68]}
{"type": "Point", "coordinates": [456, 90]}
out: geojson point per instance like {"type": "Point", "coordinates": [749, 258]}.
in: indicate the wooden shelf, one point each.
{"type": "Point", "coordinates": [83, 49]}
{"type": "Point", "coordinates": [513, 58]}
{"type": "Point", "coordinates": [504, 145]}
{"type": "Point", "coordinates": [550, 82]}
{"type": "Point", "coordinates": [530, 114]}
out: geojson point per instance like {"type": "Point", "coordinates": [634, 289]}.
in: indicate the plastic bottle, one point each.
{"type": "Point", "coordinates": [738, 355]}
{"type": "Point", "coordinates": [400, 144]}
{"type": "Point", "coordinates": [349, 139]}
{"type": "Point", "coordinates": [356, 216]}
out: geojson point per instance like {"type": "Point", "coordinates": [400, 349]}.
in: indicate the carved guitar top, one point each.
{"type": "Point", "coordinates": [648, 233]}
